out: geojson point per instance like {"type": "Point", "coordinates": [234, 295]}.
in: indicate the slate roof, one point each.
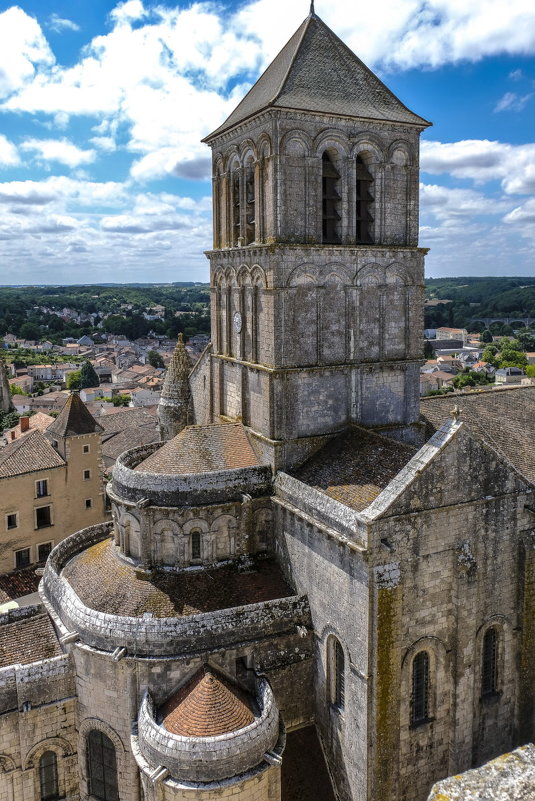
{"type": "Point", "coordinates": [316, 71]}
{"type": "Point", "coordinates": [201, 449]}
{"type": "Point", "coordinates": [208, 705]}
{"type": "Point", "coordinates": [74, 419]}
{"type": "Point", "coordinates": [27, 640]}
{"type": "Point", "coordinates": [355, 467]}
{"type": "Point", "coordinates": [28, 454]}
{"type": "Point", "coordinates": [106, 583]}
{"type": "Point", "coordinates": [505, 418]}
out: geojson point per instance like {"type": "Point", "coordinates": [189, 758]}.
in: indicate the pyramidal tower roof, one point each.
{"type": "Point", "coordinates": [178, 372]}
{"type": "Point", "coordinates": [74, 419]}
{"type": "Point", "coordinates": [315, 71]}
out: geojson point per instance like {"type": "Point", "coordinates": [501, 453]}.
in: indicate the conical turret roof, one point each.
{"type": "Point", "coordinates": [207, 706]}
{"type": "Point", "coordinates": [178, 372]}
{"type": "Point", "coordinates": [74, 419]}
{"type": "Point", "coordinates": [315, 71]}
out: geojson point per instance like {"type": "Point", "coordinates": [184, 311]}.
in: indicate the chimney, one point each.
{"type": "Point", "coordinates": [24, 424]}
{"type": "Point", "coordinates": [12, 435]}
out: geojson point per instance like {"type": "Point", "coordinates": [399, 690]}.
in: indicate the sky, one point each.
{"type": "Point", "coordinates": [103, 177]}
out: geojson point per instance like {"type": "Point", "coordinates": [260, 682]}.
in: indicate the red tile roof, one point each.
{"type": "Point", "coordinates": [207, 706]}
{"type": "Point", "coordinates": [28, 454]}
{"type": "Point", "coordinates": [27, 640]}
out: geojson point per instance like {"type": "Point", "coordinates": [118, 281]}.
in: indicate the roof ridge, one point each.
{"type": "Point", "coordinates": [305, 25]}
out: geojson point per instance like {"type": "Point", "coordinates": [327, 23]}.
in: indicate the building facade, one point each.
{"type": "Point", "coordinates": [311, 555]}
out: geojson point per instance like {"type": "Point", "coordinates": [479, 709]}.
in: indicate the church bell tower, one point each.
{"type": "Point", "coordinates": [317, 279]}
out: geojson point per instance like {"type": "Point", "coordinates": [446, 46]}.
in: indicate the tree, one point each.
{"type": "Point", "coordinates": [88, 376]}
{"type": "Point", "coordinates": [155, 359]}
{"type": "Point", "coordinates": [29, 331]}
{"type": "Point", "coordinates": [486, 336]}
{"type": "Point", "coordinates": [121, 400]}
{"type": "Point", "coordinates": [73, 380]}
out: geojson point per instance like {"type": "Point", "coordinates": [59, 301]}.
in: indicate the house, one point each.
{"type": "Point", "coordinates": [509, 375]}
{"type": "Point", "coordinates": [452, 333]}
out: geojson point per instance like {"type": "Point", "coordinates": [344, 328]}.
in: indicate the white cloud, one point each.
{"type": "Point", "coordinates": [482, 160]}
{"type": "Point", "coordinates": [512, 102]}
{"type": "Point", "coordinates": [105, 143]}
{"type": "Point", "coordinates": [59, 24]}
{"type": "Point", "coordinates": [522, 215]}
{"type": "Point", "coordinates": [449, 205]}
{"type": "Point", "coordinates": [59, 150]}
{"type": "Point", "coordinates": [127, 12]}
{"type": "Point", "coordinates": [23, 50]}
{"type": "Point", "coordinates": [9, 156]}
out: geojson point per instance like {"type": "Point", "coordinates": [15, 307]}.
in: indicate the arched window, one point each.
{"type": "Point", "coordinates": [489, 663]}
{"type": "Point", "coordinates": [195, 544]}
{"type": "Point", "coordinates": [420, 688]}
{"type": "Point", "coordinates": [236, 207]}
{"type": "Point", "coordinates": [331, 201]}
{"type": "Point", "coordinates": [336, 667]}
{"type": "Point", "coordinates": [101, 767]}
{"type": "Point", "coordinates": [364, 203]}
{"type": "Point", "coordinates": [48, 776]}
{"type": "Point", "coordinates": [250, 216]}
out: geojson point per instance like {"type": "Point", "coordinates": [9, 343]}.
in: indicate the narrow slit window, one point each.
{"type": "Point", "coordinates": [195, 544]}
{"type": "Point", "coordinates": [331, 202]}
{"type": "Point", "coordinates": [364, 207]}
{"type": "Point", "coordinates": [420, 688]}
{"type": "Point", "coordinates": [339, 672]}
{"type": "Point", "coordinates": [489, 667]}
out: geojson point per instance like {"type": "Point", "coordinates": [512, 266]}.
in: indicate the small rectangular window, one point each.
{"type": "Point", "coordinates": [43, 551]}
{"type": "Point", "coordinates": [55, 443]}
{"type": "Point", "coordinates": [41, 488]}
{"type": "Point", "coordinates": [88, 503]}
{"type": "Point", "coordinates": [22, 557]}
{"type": "Point", "coordinates": [43, 517]}
{"type": "Point", "coordinates": [12, 520]}
{"type": "Point", "coordinates": [87, 475]}
{"type": "Point", "coordinates": [86, 448]}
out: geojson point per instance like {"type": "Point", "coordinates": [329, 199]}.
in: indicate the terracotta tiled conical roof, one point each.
{"type": "Point", "coordinates": [207, 706]}
{"type": "Point", "coordinates": [316, 71]}
{"type": "Point", "coordinates": [74, 419]}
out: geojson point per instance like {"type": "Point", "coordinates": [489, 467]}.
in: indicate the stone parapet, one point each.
{"type": "Point", "coordinates": [194, 489]}
{"type": "Point", "coordinates": [207, 759]}
{"type": "Point", "coordinates": [148, 636]}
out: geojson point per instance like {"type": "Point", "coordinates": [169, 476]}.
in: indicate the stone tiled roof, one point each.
{"type": "Point", "coordinates": [106, 583]}
{"type": "Point", "coordinates": [208, 705]}
{"type": "Point", "coordinates": [119, 421]}
{"type": "Point", "coordinates": [505, 418]}
{"type": "Point", "coordinates": [201, 449]}
{"type": "Point", "coordinates": [355, 467]}
{"type": "Point", "coordinates": [130, 437]}
{"type": "Point", "coordinates": [74, 419]}
{"type": "Point", "coordinates": [27, 455]}
{"type": "Point", "coordinates": [27, 640]}
{"type": "Point", "coordinates": [316, 71]}
{"type": "Point", "coordinates": [176, 386]}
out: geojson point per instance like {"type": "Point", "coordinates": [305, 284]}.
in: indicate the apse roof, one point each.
{"type": "Point", "coordinates": [208, 705]}
{"type": "Point", "coordinates": [315, 71]}
{"type": "Point", "coordinates": [201, 449]}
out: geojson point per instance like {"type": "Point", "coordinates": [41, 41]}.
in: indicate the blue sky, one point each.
{"type": "Point", "coordinates": [103, 105]}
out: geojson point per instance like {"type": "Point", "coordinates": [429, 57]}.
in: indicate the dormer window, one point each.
{"type": "Point", "coordinates": [331, 201]}
{"type": "Point", "coordinates": [364, 204]}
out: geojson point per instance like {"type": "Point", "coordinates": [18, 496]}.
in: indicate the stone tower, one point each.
{"type": "Point", "coordinates": [316, 274]}
{"type": "Point", "coordinates": [175, 400]}
{"type": "Point", "coordinates": [6, 404]}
